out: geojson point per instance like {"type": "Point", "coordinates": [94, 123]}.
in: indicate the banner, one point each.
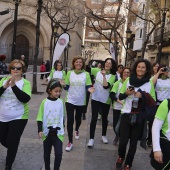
{"type": "Point", "coordinates": [60, 46]}
{"type": "Point", "coordinates": [112, 51]}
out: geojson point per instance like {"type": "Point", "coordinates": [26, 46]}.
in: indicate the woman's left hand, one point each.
{"type": "Point", "coordinates": [158, 156]}
{"type": "Point", "coordinates": [62, 82]}
{"type": "Point", "coordinates": [91, 89]}
{"type": "Point", "coordinates": [12, 82]}
{"type": "Point", "coordinates": [138, 95]}
{"type": "Point", "coordinates": [103, 72]}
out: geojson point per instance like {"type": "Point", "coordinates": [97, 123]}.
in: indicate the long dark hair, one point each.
{"type": "Point", "coordinates": [114, 65]}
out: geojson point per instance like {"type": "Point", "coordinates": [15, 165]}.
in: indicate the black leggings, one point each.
{"type": "Point", "coordinates": [58, 144]}
{"type": "Point", "coordinates": [70, 119]}
{"type": "Point", "coordinates": [129, 133]}
{"type": "Point", "coordinates": [96, 105]}
{"type": "Point", "coordinates": [165, 147]}
{"type": "Point", "coordinates": [116, 115]}
{"type": "Point", "coordinates": [10, 134]}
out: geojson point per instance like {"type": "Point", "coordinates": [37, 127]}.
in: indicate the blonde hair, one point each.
{"type": "Point", "coordinates": [75, 59]}
{"type": "Point", "coordinates": [17, 61]}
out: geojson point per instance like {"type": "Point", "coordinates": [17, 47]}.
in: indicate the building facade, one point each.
{"type": "Point", "coordinates": [26, 32]}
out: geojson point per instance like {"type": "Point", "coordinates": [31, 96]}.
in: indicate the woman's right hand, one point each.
{"type": "Point", "coordinates": [129, 92]}
{"type": "Point", "coordinates": [40, 134]}
{"type": "Point", "coordinates": [7, 84]}
{"type": "Point", "coordinates": [158, 156]}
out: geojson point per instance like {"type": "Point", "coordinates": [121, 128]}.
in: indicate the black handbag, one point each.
{"type": "Point", "coordinates": [133, 119]}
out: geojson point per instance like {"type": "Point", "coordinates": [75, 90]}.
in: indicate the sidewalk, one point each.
{"type": "Point", "coordinates": [101, 157]}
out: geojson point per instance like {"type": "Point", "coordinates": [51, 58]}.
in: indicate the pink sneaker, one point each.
{"type": "Point", "coordinates": [77, 135]}
{"type": "Point", "coordinates": [69, 147]}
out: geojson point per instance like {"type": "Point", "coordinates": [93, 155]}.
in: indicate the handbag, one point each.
{"type": "Point", "coordinates": [133, 119]}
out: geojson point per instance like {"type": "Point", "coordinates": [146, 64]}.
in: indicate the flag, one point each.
{"type": "Point", "coordinates": [60, 46]}
{"type": "Point", "coordinates": [112, 51]}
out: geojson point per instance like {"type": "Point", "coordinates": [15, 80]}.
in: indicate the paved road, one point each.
{"type": "Point", "coordinates": [101, 157]}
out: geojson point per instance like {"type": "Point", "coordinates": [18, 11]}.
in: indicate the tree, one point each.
{"type": "Point", "coordinates": [150, 16]}
{"type": "Point", "coordinates": [39, 10]}
{"type": "Point", "coordinates": [65, 15]}
{"type": "Point", "coordinates": [107, 17]}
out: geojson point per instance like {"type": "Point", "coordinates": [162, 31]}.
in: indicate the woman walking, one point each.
{"type": "Point", "coordinates": [130, 130]}
{"type": "Point", "coordinates": [15, 92]}
{"type": "Point", "coordinates": [117, 104]}
{"type": "Point", "coordinates": [104, 80]}
{"type": "Point", "coordinates": [57, 71]}
{"type": "Point", "coordinates": [160, 157]}
{"type": "Point", "coordinates": [77, 83]}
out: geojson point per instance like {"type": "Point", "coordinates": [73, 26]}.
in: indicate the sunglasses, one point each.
{"type": "Point", "coordinates": [17, 68]}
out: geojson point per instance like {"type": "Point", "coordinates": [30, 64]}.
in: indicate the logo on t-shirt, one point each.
{"type": "Point", "coordinates": [62, 41]}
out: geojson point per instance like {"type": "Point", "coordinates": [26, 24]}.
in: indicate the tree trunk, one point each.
{"type": "Point", "coordinates": [35, 61]}
{"type": "Point", "coordinates": [52, 46]}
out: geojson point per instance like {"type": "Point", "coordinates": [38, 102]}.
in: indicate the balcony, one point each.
{"type": "Point", "coordinates": [166, 32]}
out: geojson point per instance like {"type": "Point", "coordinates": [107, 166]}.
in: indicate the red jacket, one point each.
{"type": "Point", "coordinates": [42, 68]}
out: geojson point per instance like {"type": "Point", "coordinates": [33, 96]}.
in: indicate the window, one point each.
{"type": "Point", "coordinates": [109, 10]}
{"type": "Point", "coordinates": [95, 23]}
{"type": "Point", "coordinates": [106, 32]}
{"type": "Point", "coordinates": [134, 23]}
{"type": "Point", "coordinates": [93, 34]}
{"type": "Point", "coordinates": [96, 1]}
{"type": "Point", "coordinates": [135, 0]}
{"type": "Point", "coordinates": [94, 44]}
{"type": "Point", "coordinates": [111, 0]}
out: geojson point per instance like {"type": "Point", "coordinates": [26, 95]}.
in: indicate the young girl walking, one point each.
{"type": "Point", "coordinates": [50, 121]}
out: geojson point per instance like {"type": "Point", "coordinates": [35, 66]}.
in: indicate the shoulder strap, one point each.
{"type": "Point", "coordinates": [168, 104]}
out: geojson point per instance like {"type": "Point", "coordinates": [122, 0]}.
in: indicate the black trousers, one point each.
{"type": "Point", "coordinates": [165, 147]}
{"type": "Point", "coordinates": [116, 115]}
{"type": "Point", "coordinates": [42, 76]}
{"type": "Point", "coordinates": [96, 105]}
{"type": "Point", "coordinates": [87, 101]}
{"type": "Point", "coordinates": [10, 134]}
{"type": "Point", "coordinates": [128, 132]}
{"type": "Point", "coordinates": [58, 147]}
{"type": "Point", "coordinates": [70, 119]}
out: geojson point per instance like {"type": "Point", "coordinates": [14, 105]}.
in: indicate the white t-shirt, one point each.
{"type": "Point", "coordinates": [10, 107]}
{"type": "Point", "coordinates": [76, 93]}
{"type": "Point", "coordinates": [162, 89]}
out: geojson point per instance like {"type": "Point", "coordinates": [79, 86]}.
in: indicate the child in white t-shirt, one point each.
{"type": "Point", "coordinates": [50, 121]}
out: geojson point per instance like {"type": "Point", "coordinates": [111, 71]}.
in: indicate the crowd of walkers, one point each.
{"type": "Point", "coordinates": [139, 97]}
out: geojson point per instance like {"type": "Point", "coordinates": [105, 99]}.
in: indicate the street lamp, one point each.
{"type": "Point", "coordinates": [13, 55]}
{"type": "Point", "coordinates": [128, 35]}
{"type": "Point", "coordinates": [5, 12]}
{"type": "Point", "coordinates": [164, 11]}
{"type": "Point", "coordinates": [55, 34]}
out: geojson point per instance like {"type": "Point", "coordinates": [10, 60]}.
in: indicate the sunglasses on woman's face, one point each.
{"type": "Point", "coordinates": [17, 68]}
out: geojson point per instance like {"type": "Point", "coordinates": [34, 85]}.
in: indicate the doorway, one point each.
{"type": "Point", "coordinates": [22, 47]}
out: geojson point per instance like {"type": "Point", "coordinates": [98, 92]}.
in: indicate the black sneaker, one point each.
{"type": "Point", "coordinates": [119, 163]}
{"type": "Point", "coordinates": [116, 139]}
{"type": "Point", "coordinates": [126, 167]}
{"type": "Point", "coordinates": [84, 116]}
{"type": "Point", "coordinates": [149, 143]}
{"type": "Point", "coordinates": [8, 168]}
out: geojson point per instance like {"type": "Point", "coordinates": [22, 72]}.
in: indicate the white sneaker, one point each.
{"type": "Point", "coordinates": [69, 147]}
{"type": "Point", "coordinates": [104, 139]}
{"type": "Point", "coordinates": [77, 135]}
{"type": "Point", "coordinates": [90, 143]}
{"type": "Point", "coordinates": [99, 117]}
